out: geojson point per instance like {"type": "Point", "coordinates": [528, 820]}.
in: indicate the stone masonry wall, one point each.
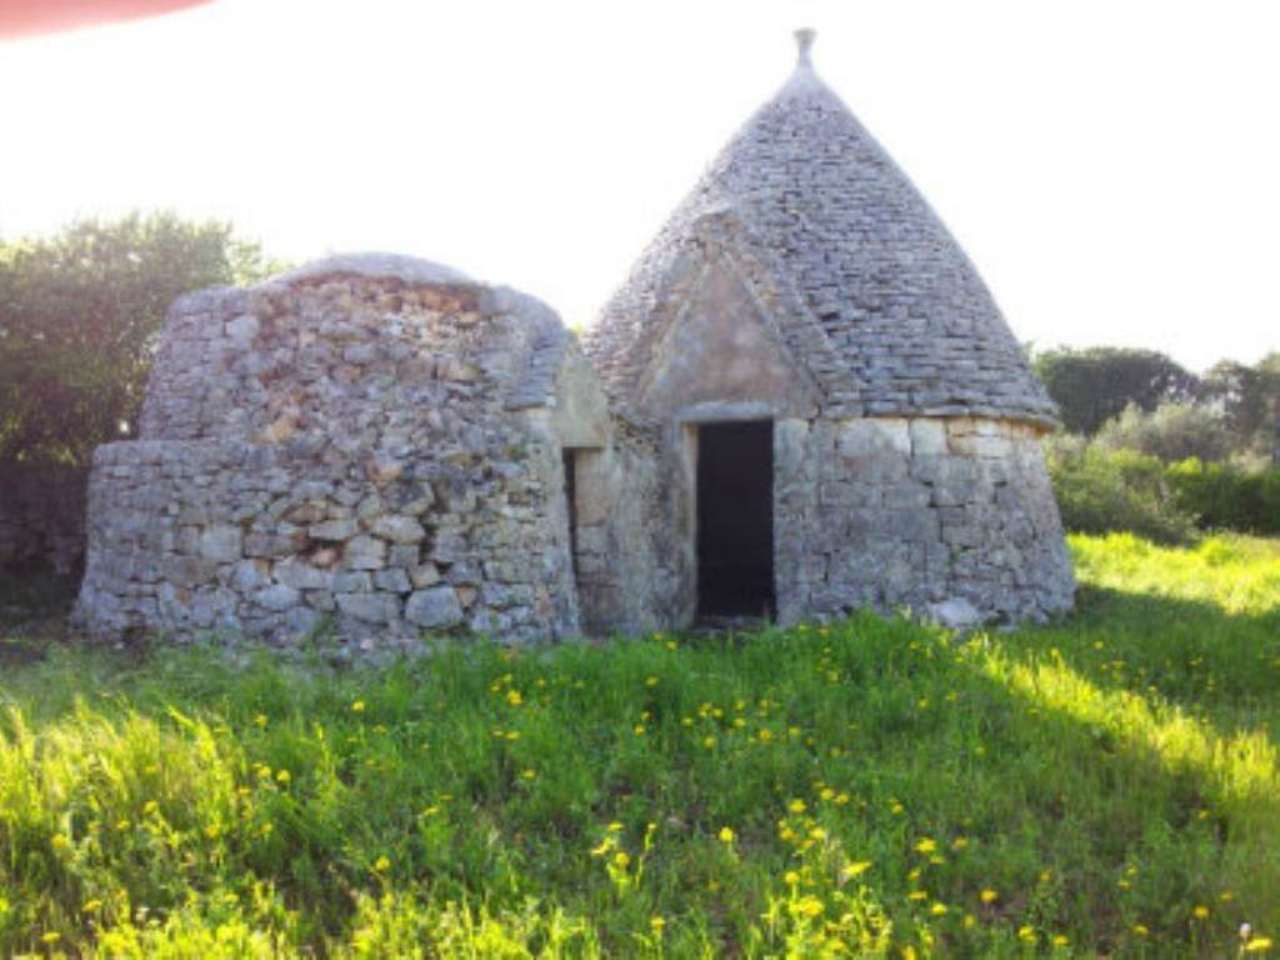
{"type": "Point", "coordinates": [42, 517]}
{"type": "Point", "coordinates": [335, 452]}
{"type": "Point", "coordinates": [953, 516]}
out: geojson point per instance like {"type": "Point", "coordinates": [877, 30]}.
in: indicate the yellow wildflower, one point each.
{"type": "Point", "coordinates": [381, 864]}
{"type": "Point", "coordinates": [260, 719]}
{"type": "Point", "coordinates": [938, 909]}
{"type": "Point", "coordinates": [514, 698]}
{"type": "Point", "coordinates": [283, 776]}
{"type": "Point", "coordinates": [726, 834]}
{"type": "Point", "coordinates": [797, 806]}
{"type": "Point", "coordinates": [357, 707]}
{"type": "Point", "coordinates": [709, 742]}
{"type": "Point", "coordinates": [1060, 941]}
{"type": "Point", "coordinates": [51, 937]}
{"type": "Point", "coordinates": [639, 729]}
{"type": "Point", "coordinates": [970, 921]}
{"type": "Point", "coordinates": [621, 859]}
{"type": "Point", "coordinates": [855, 869]}
{"type": "Point", "coordinates": [791, 878]}
{"type": "Point", "coordinates": [527, 775]}
{"type": "Point", "coordinates": [92, 906]}
{"type": "Point", "coordinates": [1258, 945]}
{"type": "Point", "coordinates": [651, 681]}
{"type": "Point", "coordinates": [614, 827]}
{"type": "Point", "coordinates": [1200, 912]}
{"type": "Point", "coordinates": [917, 895]}
{"type": "Point", "coordinates": [656, 924]}
{"type": "Point", "coordinates": [150, 807]}
{"type": "Point", "coordinates": [1027, 933]}
{"type": "Point", "coordinates": [959, 843]}
{"type": "Point", "coordinates": [988, 896]}
{"type": "Point", "coordinates": [1140, 929]}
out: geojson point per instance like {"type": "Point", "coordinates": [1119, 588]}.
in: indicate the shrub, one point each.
{"type": "Point", "coordinates": [1227, 497]}
{"type": "Point", "coordinates": [1104, 491]}
{"type": "Point", "coordinates": [1171, 432]}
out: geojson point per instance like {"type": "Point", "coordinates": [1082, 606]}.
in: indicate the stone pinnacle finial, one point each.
{"type": "Point", "coordinates": [804, 39]}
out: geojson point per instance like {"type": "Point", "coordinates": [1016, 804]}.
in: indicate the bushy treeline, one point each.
{"type": "Point", "coordinates": [79, 312]}
{"type": "Point", "coordinates": [1156, 450]}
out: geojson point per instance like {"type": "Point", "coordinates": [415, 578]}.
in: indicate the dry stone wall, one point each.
{"type": "Point", "coordinates": [42, 517]}
{"type": "Point", "coordinates": [953, 518]}
{"type": "Point", "coordinates": [337, 451]}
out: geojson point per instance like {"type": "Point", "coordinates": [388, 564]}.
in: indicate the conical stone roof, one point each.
{"type": "Point", "coordinates": [887, 311]}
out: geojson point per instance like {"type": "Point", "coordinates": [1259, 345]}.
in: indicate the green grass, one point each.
{"type": "Point", "coordinates": [1106, 786]}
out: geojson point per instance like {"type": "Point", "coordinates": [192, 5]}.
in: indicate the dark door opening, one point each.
{"type": "Point", "coordinates": [569, 457]}
{"type": "Point", "coordinates": [735, 519]}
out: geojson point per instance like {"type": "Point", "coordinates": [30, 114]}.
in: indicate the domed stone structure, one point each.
{"type": "Point", "coordinates": [804, 316]}
{"type": "Point", "coordinates": [803, 401]}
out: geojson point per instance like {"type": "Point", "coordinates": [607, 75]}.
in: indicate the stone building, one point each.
{"type": "Point", "coordinates": [802, 401]}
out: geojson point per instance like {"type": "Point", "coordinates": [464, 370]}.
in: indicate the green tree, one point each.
{"type": "Point", "coordinates": [1249, 398]}
{"type": "Point", "coordinates": [79, 313]}
{"type": "Point", "coordinates": [1093, 385]}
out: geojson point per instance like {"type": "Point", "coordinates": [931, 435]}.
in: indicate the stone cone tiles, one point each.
{"type": "Point", "coordinates": [912, 326]}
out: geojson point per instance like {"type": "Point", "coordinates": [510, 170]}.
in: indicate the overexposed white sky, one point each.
{"type": "Point", "coordinates": [1113, 168]}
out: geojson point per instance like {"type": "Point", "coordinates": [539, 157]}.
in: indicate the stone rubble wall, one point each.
{"type": "Point", "coordinates": [334, 454]}
{"type": "Point", "coordinates": [42, 517]}
{"type": "Point", "coordinates": [630, 570]}
{"type": "Point", "coordinates": [914, 513]}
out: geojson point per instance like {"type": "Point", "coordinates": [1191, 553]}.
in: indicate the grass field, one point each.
{"type": "Point", "coordinates": [1107, 786]}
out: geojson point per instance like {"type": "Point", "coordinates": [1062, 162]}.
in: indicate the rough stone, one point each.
{"type": "Point", "coordinates": [436, 607]}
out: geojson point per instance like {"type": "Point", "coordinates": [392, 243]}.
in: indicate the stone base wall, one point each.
{"type": "Point", "coordinates": [925, 513]}
{"type": "Point", "coordinates": [276, 543]}
{"type": "Point", "coordinates": [337, 451]}
{"type": "Point", "coordinates": [42, 518]}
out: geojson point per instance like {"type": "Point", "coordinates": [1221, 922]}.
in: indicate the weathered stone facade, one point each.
{"type": "Point", "coordinates": [364, 446]}
{"type": "Point", "coordinates": [803, 381]}
{"type": "Point", "coordinates": [42, 517]}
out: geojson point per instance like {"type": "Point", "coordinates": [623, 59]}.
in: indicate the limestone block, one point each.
{"type": "Point", "coordinates": [357, 581]}
{"type": "Point", "coordinates": [928, 437]}
{"type": "Point", "coordinates": [369, 607]}
{"type": "Point", "coordinates": [222, 543]}
{"type": "Point", "coordinates": [301, 575]}
{"type": "Point", "coordinates": [392, 580]}
{"type": "Point", "coordinates": [333, 530]}
{"type": "Point", "coordinates": [424, 575]}
{"type": "Point", "coordinates": [399, 529]}
{"type": "Point", "coordinates": [874, 435]}
{"type": "Point", "coordinates": [277, 597]}
{"type": "Point", "coordinates": [434, 607]}
{"type": "Point", "coordinates": [365, 553]}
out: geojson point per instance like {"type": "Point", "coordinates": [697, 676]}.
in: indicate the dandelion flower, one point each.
{"type": "Point", "coordinates": [357, 707]}
{"type": "Point", "coordinates": [621, 859]}
{"type": "Point", "coordinates": [925, 845]}
{"type": "Point", "coordinates": [51, 937]}
{"type": "Point", "coordinates": [614, 827]}
{"type": "Point", "coordinates": [1140, 929]}
{"type": "Point", "coordinates": [260, 720]}
{"type": "Point", "coordinates": [988, 896]}
{"type": "Point", "coordinates": [639, 729]}
{"type": "Point", "coordinates": [1258, 945]}
{"type": "Point", "coordinates": [1060, 941]}
{"type": "Point", "coordinates": [709, 742]}
{"type": "Point", "coordinates": [1200, 912]}
{"type": "Point", "coordinates": [382, 863]}
{"type": "Point", "coordinates": [514, 698]}
{"type": "Point", "coordinates": [797, 806]}
{"type": "Point", "coordinates": [791, 878]}
{"type": "Point", "coordinates": [1027, 933]}
{"type": "Point", "coordinates": [656, 924]}
{"type": "Point", "coordinates": [527, 774]}
{"type": "Point", "coordinates": [917, 895]}
{"type": "Point", "coordinates": [726, 835]}
{"type": "Point", "coordinates": [283, 776]}
{"type": "Point", "coordinates": [855, 869]}
{"type": "Point", "coordinates": [938, 909]}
